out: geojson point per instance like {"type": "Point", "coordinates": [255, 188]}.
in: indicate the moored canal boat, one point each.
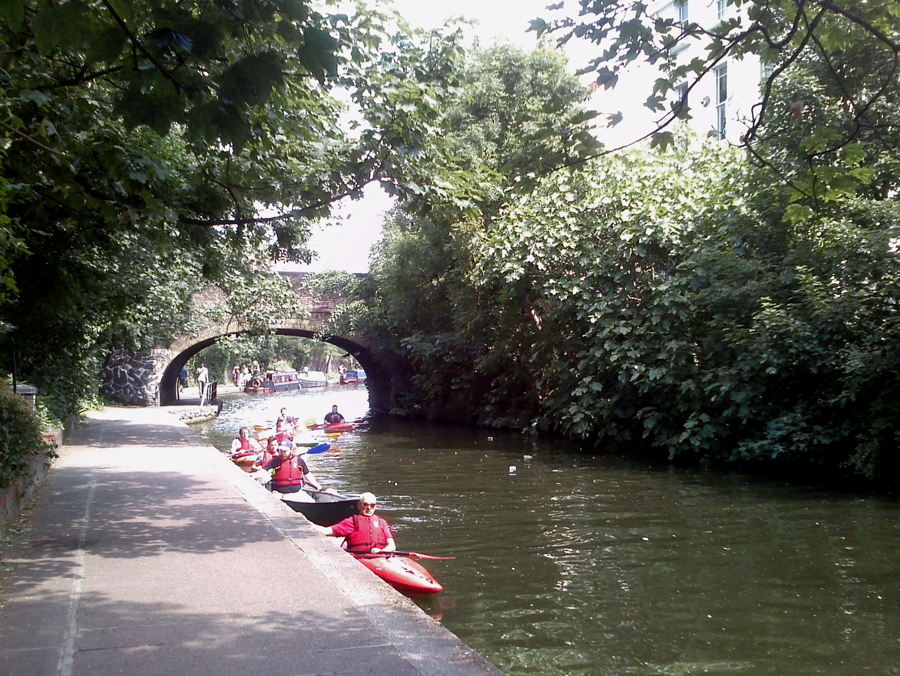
{"type": "Point", "coordinates": [313, 379]}
{"type": "Point", "coordinates": [273, 381]}
{"type": "Point", "coordinates": [352, 377]}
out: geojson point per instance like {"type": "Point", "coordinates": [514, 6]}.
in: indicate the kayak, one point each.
{"type": "Point", "coordinates": [339, 427]}
{"type": "Point", "coordinates": [334, 427]}
{"type": "Point", "coordinates": [325, 509]}
{"type": "Point", "coordinates": [402, 573]}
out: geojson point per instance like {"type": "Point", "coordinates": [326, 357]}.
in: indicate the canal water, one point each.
{"type": "Point", "coordinates": [568, 564]}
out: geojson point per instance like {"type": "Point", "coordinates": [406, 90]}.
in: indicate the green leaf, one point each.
{"type": "Point", "coordinates": [662, 140]}
{"type": "Point", "coordinates": [12, 12]}
{"type": "Point", "coordinates": [68, 28]}
{"type": "Point", "coordinates": [798, 213]}
{"type": "Point", "coordinates": [107, 45]}
{"type": "Point", "coordinates": [318, 53]}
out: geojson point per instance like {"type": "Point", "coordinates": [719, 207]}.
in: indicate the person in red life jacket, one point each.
{"type": "Point", "coordinates": [363, 533]}
{"type": "Point", "coordinates": [291, 472]}
{"type": "Point", "coordinates": [244, 445]}
{"type": "Point", "coordinates": [285, 433]}
{"type": "Point", "coordinates": [270, 451]}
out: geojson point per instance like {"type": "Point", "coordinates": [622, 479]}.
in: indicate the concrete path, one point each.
{"type": "Point", "coordinates": [149, 553]}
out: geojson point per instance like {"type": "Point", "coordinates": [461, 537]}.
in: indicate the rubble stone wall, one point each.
{"type": "Point", "coordinates": [132, 378]}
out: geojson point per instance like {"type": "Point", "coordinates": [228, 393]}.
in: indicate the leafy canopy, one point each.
{"type": "Point", "coordinates": [149, 148]}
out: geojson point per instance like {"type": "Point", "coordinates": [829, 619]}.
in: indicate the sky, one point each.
{"type": "Point", "coordinates": [344, 242]}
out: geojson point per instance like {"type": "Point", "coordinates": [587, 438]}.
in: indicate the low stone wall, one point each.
{"type": "Point", "coordinates": [195, 414]}
{"type": "Point", "coordinates": [14, 498]}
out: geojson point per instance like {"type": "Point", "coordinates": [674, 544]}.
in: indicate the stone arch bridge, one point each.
{"type": "Point", "coordinates": [150, 377]}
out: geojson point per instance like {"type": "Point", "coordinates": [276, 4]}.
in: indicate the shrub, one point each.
{"type": "Point", "coordinates": [20, 436]}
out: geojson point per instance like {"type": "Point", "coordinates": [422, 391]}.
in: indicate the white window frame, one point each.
{"type": "Point", "coordinates": [681, 10]}
{"type": "Point", "coordinates": [722, 8]}
{"type": "Point", "coordinates": [721, 75]}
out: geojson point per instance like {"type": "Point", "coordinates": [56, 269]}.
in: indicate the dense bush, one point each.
{"type": "Point", "coordinates": [20, 436]}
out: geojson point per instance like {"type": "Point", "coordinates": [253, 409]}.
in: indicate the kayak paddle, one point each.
{"type": "Point", "coordinates": [411, 555]}
{"type": "Point", "coordinates": [321, 448]}
{"type": "Point", "coordinates": [313, 425]}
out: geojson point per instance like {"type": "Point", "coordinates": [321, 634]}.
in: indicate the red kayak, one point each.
{"type": "Point", "coordinates": [339, 427]}
{"type": "Point", "coordinates": [336, 427]}
{"type": "Point", "coordinates": [401, 573]}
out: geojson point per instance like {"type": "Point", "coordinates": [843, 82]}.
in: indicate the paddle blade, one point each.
{"type": "Point", "coordinates": [321, 448]}
{"type": "Point", "coordinates": [427, 557]}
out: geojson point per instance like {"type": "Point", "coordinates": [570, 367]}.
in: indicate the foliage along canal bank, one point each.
{"type": "Point", "coordinates": [139, 144]}
{"type": "Point", "coordinates": [679, 302]}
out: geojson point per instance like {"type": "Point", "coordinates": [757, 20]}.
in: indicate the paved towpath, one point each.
{"type": "Point", "coordinates": [148, 553]}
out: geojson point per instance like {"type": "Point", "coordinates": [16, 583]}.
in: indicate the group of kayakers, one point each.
{"type": "Point", "coordinates": [281, 465]}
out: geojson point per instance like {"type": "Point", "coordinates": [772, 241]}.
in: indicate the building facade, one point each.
{"type": "Point", "coordinates": [720, 104]}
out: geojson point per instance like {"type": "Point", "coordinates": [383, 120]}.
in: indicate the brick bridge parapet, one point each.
{"type": "Point", "coordinates": [150, 377]}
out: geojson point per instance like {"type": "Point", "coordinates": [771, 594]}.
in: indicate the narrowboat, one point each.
{"type": "Point", "coordinates": [273, 381]}
{"type": "Point", "coordinates": [313, 379]}
{"type": "Point", "coordinates": [352, 377]}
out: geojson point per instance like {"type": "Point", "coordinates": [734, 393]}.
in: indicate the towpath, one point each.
{"type": "Point", "coordinates": [148, 553]}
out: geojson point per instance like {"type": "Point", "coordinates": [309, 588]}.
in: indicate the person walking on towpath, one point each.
{"type": "Point", "coordinates": [202, 380]}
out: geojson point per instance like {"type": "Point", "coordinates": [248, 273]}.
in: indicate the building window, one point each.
{"type": "Point", "coordinates": [681, 98]}
{"type": "Point", "coordinates": [721, 73]}
{"type": "Point", "coordinates": [721, 7]}
{"type": "Point", "coordinates": [682, 9]}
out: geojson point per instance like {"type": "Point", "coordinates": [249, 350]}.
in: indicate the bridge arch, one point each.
{"type": "Point", "coordinates": [150, 377]}
{"type": "Point", "coordinates": [378, 380]}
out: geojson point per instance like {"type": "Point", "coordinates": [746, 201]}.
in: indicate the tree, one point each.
{"type": "Point", "coordinates": [154, 147]}
{"type": "Point", "coordinates": [418, 300]}
{"type": "Point", "coordinates": [683, 314]}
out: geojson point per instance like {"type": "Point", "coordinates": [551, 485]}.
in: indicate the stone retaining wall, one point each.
{"type": "Point", "coordinates": [15, 496]}
{"type": "Point", "coordinates": [132, 378]}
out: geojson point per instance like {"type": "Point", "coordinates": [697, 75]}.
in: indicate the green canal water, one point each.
{"type": "Point", "coordinates": [568, 564]}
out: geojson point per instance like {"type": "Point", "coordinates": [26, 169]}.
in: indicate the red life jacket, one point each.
{"type": "Point", "coordinates": [288, 475]}
{"type": "Point", "coordinates": [368, 534]}
{"type": "Point", "coordinates": [244, 450]}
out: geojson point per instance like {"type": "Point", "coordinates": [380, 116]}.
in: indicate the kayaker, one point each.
{"type": "Point", "coordinates": [284, 417]}
{"type": "Point", "coordinates": [285, 434]}
{"type": "Point", "coordinates": [363, 533]}
{"type": "Point", "coordinates": [291, 472]}
{"type": "Point", "coordinates": [334, 417]}
{"type": "Point", "coordinates": [244, 445]}
{"type": "Point", "coordinates": [270, 452]}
